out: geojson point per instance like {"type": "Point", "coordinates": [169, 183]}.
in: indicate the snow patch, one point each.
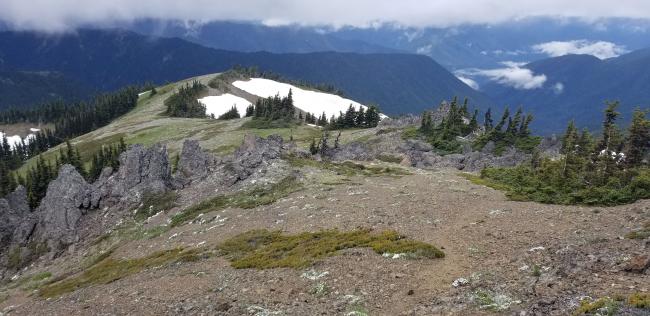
{"type": "Point", "coordinates": [221, 104]}
{"type": "Point", "coordinates": [13, 140]}
{"type": "Point", "coordinates": [313, 102]}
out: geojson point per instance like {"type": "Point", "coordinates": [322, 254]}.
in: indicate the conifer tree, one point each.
{"type": "Point", "coordinates": [487, 121]}
{"type": "Point", "coordinates": [637, 142]}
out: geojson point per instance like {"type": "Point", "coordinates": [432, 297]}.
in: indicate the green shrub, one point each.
{"type": "Point", "coordinates": [247, 199]}
{"type": "Point", "coordinates": [154, 203]}
{"type": "Point", "coordinates": [110, 270]}
{"type": "Point", "coordinates": [263, 249]}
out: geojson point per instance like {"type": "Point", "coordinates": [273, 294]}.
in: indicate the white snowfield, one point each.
{"type": "Point", "coordinates": [309, 101]}
{"type": "Point", "coordinates": [221, 104]}
{"type": "Point", "coordinates": [16, 139]}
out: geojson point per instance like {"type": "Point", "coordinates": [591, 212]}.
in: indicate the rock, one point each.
{"type": "Point", "coordinates": [142, 171]}
{"type": "Point", "coordinates": [13, 208]}
{"type": "Point", "coordinates": [194, 164]}
{"type": "Point", "coordinates": [253, 153]}
{"type": "Point", "coordinates": [638, 264]}
{"type": "Point", "coordinates": [60, 209]}
{"type": "Point", "coordinates": [351, 151]}
{"type": "Point", "coordinates": [460, 282]}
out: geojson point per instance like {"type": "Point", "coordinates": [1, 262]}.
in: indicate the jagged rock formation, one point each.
{"type": "Point", "coordinates": [252, 153]}
{"type": "Point", "coordinates": [13, 208]}
{"type": "Point", "coordinates": [142, 171]}
{"type": "Point", "coordinates": [55, 224]}
{"type": "Point", "coordinates": [68, 196]}
{"type": "Point", "coordinates": [194, 163]}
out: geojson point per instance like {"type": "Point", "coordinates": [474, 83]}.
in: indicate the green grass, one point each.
{"type": "Point", "coordinates": [389, 158]}
{"type": "Point", "coordinates": [246, 199]}
{"type": "Point", "coordinates": [257, 123]}
{"type": "Point", "coordinates": [410, 132]}
{"type": "Point", "coordinates": [347, 168]}
{"type": "Point", "coordinates": [263, 249]}
{"type": "Point", "coordinates": [154, 203]}
{"type": "Point", "coordinates": [642, 233]}
{"type": "Point", "coordinates": [31, 282]}
{"type": "Point", "coordinates": [602, 306]}
{"type": "Point", "coordinates": [110, 270]}
{"type": "Point", "coordinates": [639, 300]}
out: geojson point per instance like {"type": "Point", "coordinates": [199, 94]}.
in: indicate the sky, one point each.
{"type": "Point", "coordinates": [62, 15]}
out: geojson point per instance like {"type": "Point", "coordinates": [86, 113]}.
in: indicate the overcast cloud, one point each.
{"type": "Point", "coordinates": [512, 75]}
{"type": "Point", "coordinates": [56, 15]}
{"type": "Point", "coordinates": [600, 49]}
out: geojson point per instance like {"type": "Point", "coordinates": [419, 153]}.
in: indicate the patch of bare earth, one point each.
{"type": "Point", "coordinates": [522, 255]}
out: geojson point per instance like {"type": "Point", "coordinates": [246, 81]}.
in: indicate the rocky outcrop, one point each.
{"type": "Point", "coordinates": [194, 163]}
{"type": "Point", "coordinates": [67, 198]}
{"type": "Point", "coordinates": [13, 208]}
{"type": "Point", "coordinates": [253, 153]}
{"type": "Point", "coordinates": [142, 171]}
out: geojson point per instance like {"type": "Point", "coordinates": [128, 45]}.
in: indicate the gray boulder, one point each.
{"type": "Point", "coordinates": [194, 164]}
{"type": "Point", "coordinates": [61, 209]}
{"type": "Point", "coordinates": [13, 208]}
{"type": "Point", "coordinates": [253, 153]}
{"type": "Point", "coordinates": [142, 171]}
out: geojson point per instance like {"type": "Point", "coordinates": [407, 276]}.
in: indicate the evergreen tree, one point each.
{"type": "Point", "coordinates": [473, 122]}
{"type": "Point", "coordinates": [504, 118]}
{"type": "Point", "coordinates": [231, 114]}
{"type": "Point", "coordinates": [487, 122]}
{"type": "Point", "coordinates": [637, 142]}
{"type": "Point", "coordinates": [250, 110]}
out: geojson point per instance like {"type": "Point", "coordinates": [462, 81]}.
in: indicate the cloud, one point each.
{"type": "Point", "coordinates": [512, 75]}
{"type": "Point", "coordinates": [558, 88]}
{"type": "Point", "coordinates": [65, 14]}
{"type": "Point", "coordinates": [470, 82]}
{"type": "Point", "coordinates": [600, 49]}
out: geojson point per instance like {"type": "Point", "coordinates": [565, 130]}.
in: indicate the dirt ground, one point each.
{"type": "Point", "coordinates": [518, 258]}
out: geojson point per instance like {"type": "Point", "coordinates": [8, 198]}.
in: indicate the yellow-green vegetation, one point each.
{"type": "Point", "coordinates": [110, 269]}
{"type": "Point", "coordinates": [264, 249]}
{"type": "Point", "coordinates": [31, 282]}
{"type": "Point", "coordinates": [642, 233]}
{"type": "Point", "coordinates": [347, 168]}
{"type": "Point", "coordinates": [262, 195]}
{"type": "Point", "coordinates": [154, 203]}
{"type": "Point", "coordinates": [602, 306]}
{"type": "Point", "coordinates": [389, 158]}
{"type": "Point", "coordinates": [639, 300]}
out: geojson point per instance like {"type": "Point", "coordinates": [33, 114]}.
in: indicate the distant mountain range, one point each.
{"type": "Point", "coordinates": [459, 47]}
{"type": "Point", "coordinates": [26, 88]}
{"type": "Point", "coordinates": [109, 59]}
{"type": "Point", "coordinates": [36, 67]}
{"type": "Point", "coordinates": [577, 86]}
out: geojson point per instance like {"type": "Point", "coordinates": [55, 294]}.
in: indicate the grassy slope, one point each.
{"type": "Point", "coordinates": [147, 125]}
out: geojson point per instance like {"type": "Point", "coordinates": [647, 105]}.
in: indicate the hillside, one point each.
{"type": "Point", "coordinates": [23, 88]}
{"type": "Point", "coordinates": [206, 218]}
{"type": "Point", "coordinates": [587, 82]}
{"type": "Point", "coordinates": [106, 60]}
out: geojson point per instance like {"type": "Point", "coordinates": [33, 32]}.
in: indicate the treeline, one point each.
{"type": "Point", "coordinates": [73, 120]}
{"type": "Point", "coordinates": [85, 116]}
{"type": "Point", "coordinates": [38, 177]}
{"type": "Point", "coordinates": [352, 118]}
{"type": "Point", "coordinates": [272, 112]}
{"type": "Point", "coordinates": [185, 103]}
{"type": "Point", "coordinates": [254, 72]}
{"type": "Point", "coordinates": [509, 131]}
{"type": "Point", "coordinates": [458, 123]}
{"type": "Point", "coordinates": [608, 170]}
{"type": "Point", "coordinates": [231, 114]}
